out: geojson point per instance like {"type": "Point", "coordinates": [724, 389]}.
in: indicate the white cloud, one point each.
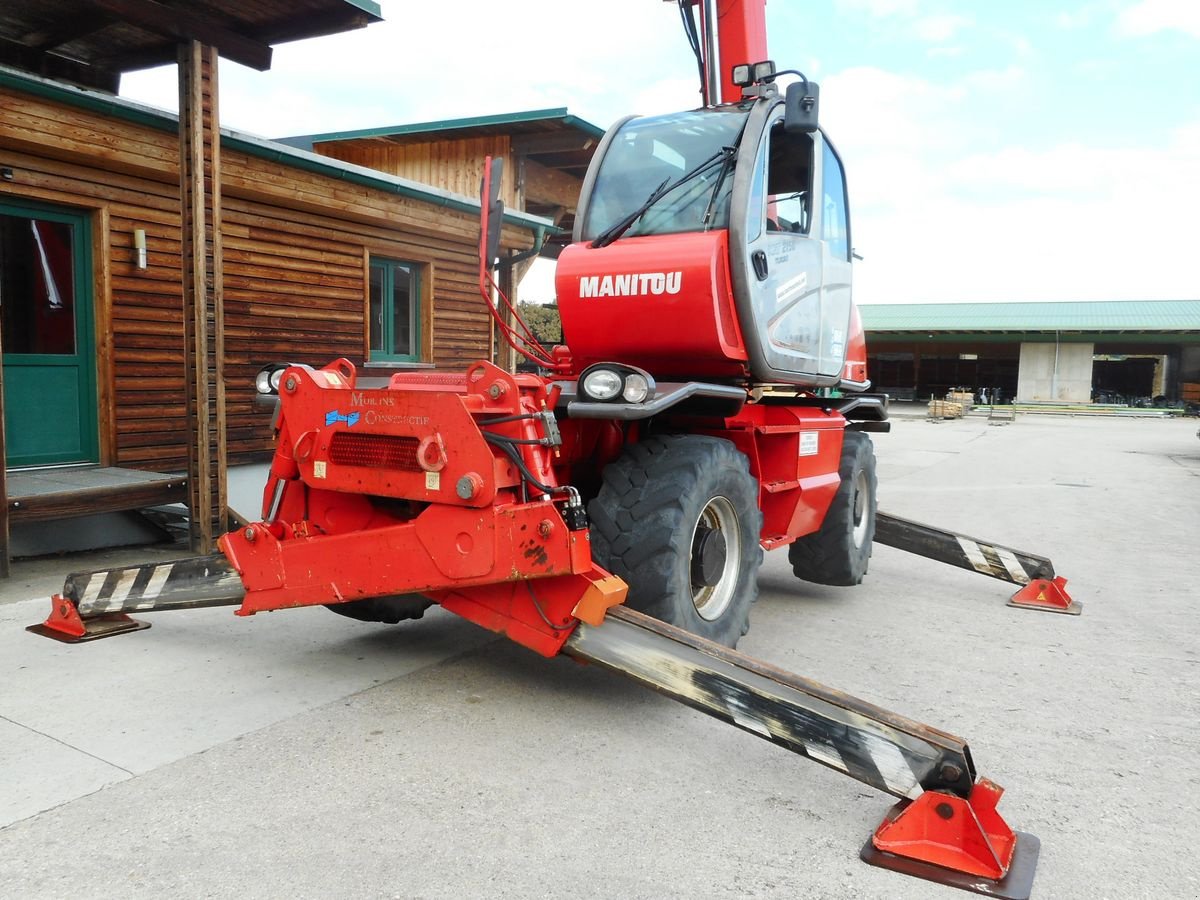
{"type": "Point", "coordinates": [935, 28]}
{"type": "Point", "coordinates": [465, 60]}
{"type": "Point", "coordinates": [940, 28]}
{"type": "Point", "coordinates": [936, 216]}
{"type": "Point", "coordinates": [937, 219]}
{"type": "Point", "coordinates": [1006, 79]}
{"type": "Point", "coordinates": [1152, 16]}
{"type": "Point", "coordinates": [881, 7]}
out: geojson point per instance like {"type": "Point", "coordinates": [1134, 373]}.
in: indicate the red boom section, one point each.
{"type": "Point", "coordinates": [742, 35]}
{"type": "Point", "coordinates": [401, 490]}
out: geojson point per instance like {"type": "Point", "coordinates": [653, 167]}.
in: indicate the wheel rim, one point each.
{"type": "Point", "coordinates": [711, 600]}
{"type": "Point", "coordinates": [859, 533]}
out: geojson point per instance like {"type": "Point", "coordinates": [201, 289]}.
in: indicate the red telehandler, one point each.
{"type": "Point", "coordinates": [710, 403]}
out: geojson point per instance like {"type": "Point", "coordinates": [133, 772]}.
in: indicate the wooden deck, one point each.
{"type": "Point", "coordinates": [65, 492]}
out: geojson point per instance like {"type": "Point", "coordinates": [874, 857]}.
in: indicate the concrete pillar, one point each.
{"type": "Point", "coordinates": [1055, 373]}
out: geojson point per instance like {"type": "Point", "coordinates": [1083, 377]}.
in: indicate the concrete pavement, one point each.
{"type": "Point", "coordinates": [303, 755]}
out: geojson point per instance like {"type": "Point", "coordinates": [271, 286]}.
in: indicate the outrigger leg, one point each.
{"type": "Point", "coordinates": [945, 827]}
{"type": "Point", "coordinates": [96, 604]}
{"type": "Point", "coordinates": [1039, 587]}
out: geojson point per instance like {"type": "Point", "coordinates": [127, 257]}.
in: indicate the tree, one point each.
{"type": "Point", "coordinates": [543, 321]}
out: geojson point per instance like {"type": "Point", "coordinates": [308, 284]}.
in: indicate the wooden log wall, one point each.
{"type": "Point", "coordinates": [296, 245]}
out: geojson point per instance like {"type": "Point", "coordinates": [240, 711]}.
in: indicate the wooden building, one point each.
{"type": "Point", "coordinates": [321, 258]}
{"type": "Point", "coordinates": [547, 152]}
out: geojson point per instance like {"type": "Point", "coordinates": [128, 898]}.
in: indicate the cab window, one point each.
{"type": "Point", "coordinates": [789, 181]}
{"type": "Point", "coordinates": [835, 225]}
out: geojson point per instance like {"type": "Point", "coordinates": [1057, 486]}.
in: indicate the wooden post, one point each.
{"type": "Point", "coordinates": [203, 322]}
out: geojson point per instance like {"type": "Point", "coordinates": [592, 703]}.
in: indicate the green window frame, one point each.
{"type": "Point", "coordinates": [393, 310]}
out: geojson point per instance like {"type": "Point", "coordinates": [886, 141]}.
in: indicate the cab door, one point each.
{"type": "Point", "coordinates": [46, 335]}
{"type": "Point", "coordinates": [784, 262]}
{"type": "Point", "coordinates": [793, 293]}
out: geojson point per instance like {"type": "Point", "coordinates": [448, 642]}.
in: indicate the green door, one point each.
{"type": "Point", "coordinates": [46, 335]}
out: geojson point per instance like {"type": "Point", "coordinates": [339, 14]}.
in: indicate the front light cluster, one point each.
{"type": "Point", "coordinates": [268, 378]}
{"type": "Point", "coordinates": [615, 382]}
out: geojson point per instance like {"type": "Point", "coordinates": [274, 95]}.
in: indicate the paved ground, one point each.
{"type": "Point", "coordinates": [303, 755]}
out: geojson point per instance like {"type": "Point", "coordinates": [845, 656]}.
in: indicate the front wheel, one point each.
{"type": "Point", "coordinates": [677, 518]}
{"type": "Point", "coordinates": [839, 552]}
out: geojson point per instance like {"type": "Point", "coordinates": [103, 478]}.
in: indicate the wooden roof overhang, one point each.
{"type": "Point", "coordinates": [91, 42]}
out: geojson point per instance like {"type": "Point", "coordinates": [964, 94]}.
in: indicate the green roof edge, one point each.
{"type": "Point", "coordinates": [532, 115]}
{"type": "Point", "coordinates": [368, 6]}
{"type": "Point", "coordinates": [263, 148]}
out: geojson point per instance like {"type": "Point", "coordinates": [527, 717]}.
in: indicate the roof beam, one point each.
{"type": "Point", "coordinates": [79, 26]}
{"type": "Point", "coordinates": [552, 143]}
{"type": "Point", "coordinates": [186, 25]}
{"type": "Point", "coordinates": [48, 65]}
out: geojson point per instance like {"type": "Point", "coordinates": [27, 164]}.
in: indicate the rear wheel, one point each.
{"type": "Point", "coordinates": [388, 610]}
{"type": "Point", "coordinates": [677, 518]}
{"type": "Point", "coordinates": [839, 552]}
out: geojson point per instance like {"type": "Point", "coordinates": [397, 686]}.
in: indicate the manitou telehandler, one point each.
{"type": "Point", "coordinates": [710, 402]}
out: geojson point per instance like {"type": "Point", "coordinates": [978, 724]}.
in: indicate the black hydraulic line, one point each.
{"type": "Point", "coordinates": [984, 557]}
{"type": "Point", "coordinates": [894, 754]}
{"type": "Point", "coordinates": [506, 447]}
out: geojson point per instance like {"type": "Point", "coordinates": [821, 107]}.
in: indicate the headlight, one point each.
{"type": "Point", "coordinates": [602, 384]}
{"type": "Point", "coordinates": [268, 377]}
{"type": "Point", "coordinates": [607, 382]}
{"type": "Point", "coordinates": [637, 388]}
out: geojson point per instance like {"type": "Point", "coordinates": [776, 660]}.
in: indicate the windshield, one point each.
{"type": "Point", "coordinates": [649, 151]}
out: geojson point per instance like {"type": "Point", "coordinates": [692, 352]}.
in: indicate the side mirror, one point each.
{"type": "Point", "coordinates": [491, 211]}
{"type": "Point", "coordinates": [800, 107]}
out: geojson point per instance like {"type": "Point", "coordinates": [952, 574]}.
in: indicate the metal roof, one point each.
{"type": "Point", "coordinates": [91, 42]}
{"type": "Point", "coordinates": [534, 121]}
{"type": "Point", "coordinates": [1100, 316]}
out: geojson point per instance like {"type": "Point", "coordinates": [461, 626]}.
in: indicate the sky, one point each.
{"type": "Point", "coordinates": [1022, 150]}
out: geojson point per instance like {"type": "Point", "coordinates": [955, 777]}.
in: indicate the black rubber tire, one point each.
{"type": "Point", "coordinates": [645, 526]}
{"type": "Point", "coordinates": [388, 610]}
{"type": "Point", "coordinates": [838, 554]}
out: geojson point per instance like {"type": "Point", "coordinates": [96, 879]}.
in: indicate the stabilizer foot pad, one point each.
{"type": "Point", "coordinates": [1047, 596]}
{"type": "Point", "coordinates": [100, 627]}
{"type": "Point", "coordinates": [1017, 884]}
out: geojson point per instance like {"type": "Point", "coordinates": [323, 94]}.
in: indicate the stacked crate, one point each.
{"type": "Point", "coordinates": [945, 409]}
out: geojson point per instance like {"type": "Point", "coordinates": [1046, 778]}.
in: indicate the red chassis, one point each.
{"type": "Point", "coordinates": [408, 489]}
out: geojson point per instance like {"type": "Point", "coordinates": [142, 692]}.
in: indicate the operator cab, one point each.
{"type": "Point", "coordinates": [715, 243]}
